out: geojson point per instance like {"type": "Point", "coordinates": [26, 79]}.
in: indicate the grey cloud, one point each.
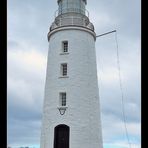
{"type": "Point", "coordinates": [23, 113]}
{"type": "Point", "coordinates": [29, 130]}
{"type": "Point", "coordinates": [12, 44]}
{"type": "Point", "coordinates": [22, 119]}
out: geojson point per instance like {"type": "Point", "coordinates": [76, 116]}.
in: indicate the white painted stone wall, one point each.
{"type": "Point", "coordinates": [83, 112]}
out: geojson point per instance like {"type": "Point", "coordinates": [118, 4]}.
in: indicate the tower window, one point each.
{"type": "Point", "coordinates": [63, 99]}
{"type": "Point", "coordinates": [64, 69]}
{"type": "Point", "coordinates": [65, 46]}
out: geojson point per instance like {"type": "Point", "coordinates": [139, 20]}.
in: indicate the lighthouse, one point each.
{"type": "Point", "coordinates": [71, 109]}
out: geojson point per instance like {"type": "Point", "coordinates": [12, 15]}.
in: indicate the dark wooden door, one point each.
{"type": "Point", "coordinates": [61, 138]}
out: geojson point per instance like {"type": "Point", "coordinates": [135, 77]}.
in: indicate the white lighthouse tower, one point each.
{"type": "Point", "coordinates": [71, 116]}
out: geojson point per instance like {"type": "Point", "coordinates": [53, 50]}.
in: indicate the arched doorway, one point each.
{"type": "Point", "coordinates": [61, 136]}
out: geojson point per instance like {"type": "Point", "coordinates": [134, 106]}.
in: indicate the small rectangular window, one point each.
{"type": "Point", "coordinates": [63, 99]}
{"type": "Point", "coordinates": [65, 46]}
{"type": "Point", "coordinates": [64, 69]}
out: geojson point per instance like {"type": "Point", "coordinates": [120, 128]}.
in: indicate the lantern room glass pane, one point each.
{"type": "Point", "coordinates": [77, 6]}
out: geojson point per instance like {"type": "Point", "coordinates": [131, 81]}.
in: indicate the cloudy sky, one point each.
{"type": "Point", "coordinates": [28, 25]}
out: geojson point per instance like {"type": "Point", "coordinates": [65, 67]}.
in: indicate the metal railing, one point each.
{"type": "Point", "coordinates": [72, 21]}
